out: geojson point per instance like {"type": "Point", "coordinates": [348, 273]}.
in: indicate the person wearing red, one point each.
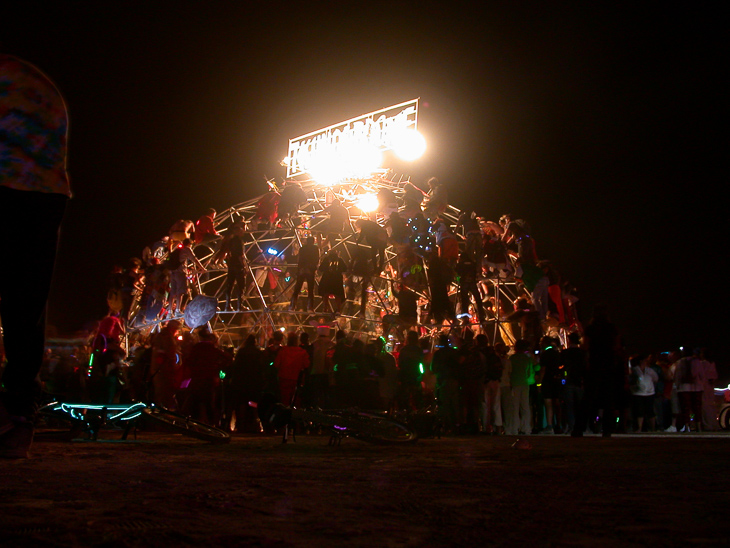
{"type": "Point", "coordinates": [205, 229]}
{"type": "Point", "coordinates": [164, 371]}
{"type": "Point", "coordinates": [290, 361]}
{"type": "Point", "coordinates": [204, 364]}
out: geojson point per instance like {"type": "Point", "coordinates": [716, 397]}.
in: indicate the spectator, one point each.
{"type": "Point", "coordinates": [410, 371]}
{"type": "Point", "coordinates": [573, 359]}
{"type": "Point", "coordinates": [523, 369]}
{"type": "Point", "coordinates": [388, 382]}
{"type": "Point", "coordinates": [33, 181]}
{"type": "Point", "coordinates": [291, 360]}
{"type": "Point", "coordinates": [552, 373]}
{"type": "Point", "coordinates": [606, 378]}
{"type": "Point", "coordinates": [205, 363]}
{"type": "Point", "coordinates": [504, 417]}
{"type": "Point", "coordinates": [491, 410]}
{"type": "Point", "coordinates": [709, 406]}
{"type": "Point", "coordinates": [165, 366]}
{"type": "Point", "coordinates": [321, 371]}
{"type": "Point", "coordinates": [643, 379]}
{"type": "Point", "coordinates": [689, 379]}
{"type": "Point", "coordinates": [245, 383]}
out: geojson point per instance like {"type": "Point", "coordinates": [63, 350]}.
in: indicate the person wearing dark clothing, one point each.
{"type": "Point", "coordinates": [605, 379]}
{"type": "Point", "coordinates": [407, 307]}
{"type": "Point", "coordinates": [376, 237]}
{"type": "Point", "coordinates": [205, 363]}
{"type": "Point", "coordinates": [307, 262]}
{"type": "Point", "coordinates": [518, 232]}
{"type": "Point", "coordinates": [468, 270]}
{"type": "Point", "coordinates": [245, 383]}
{"type": "Point", "coordinates": [371, 370]}
{"type": "Point", "coordinates": [552, 384]}
{"type": "Point", "coordinates": [33, 185]}
{"type": "Point", "coordinates": [573, 360]}
{"type": "Point", "coordinates": [232, 251]}
{"type": "Point", "coordinates": [439, 278]}
{"type": "Point", "coordinates": [437, 199]}
{"type": "Point", "coordinates": [473, 236]}
{"type": "Point", "coordinates": [339, 218]}
{"type": "Point", "coordinates": [361, 266]}
{"type": "Point", "coordinates": [292, 196]}
{"type": "Point", "coordinates": [410, 371]}
{"type": "Point", "coordinates": [445, 365]}
{"type": "Point", "coordinates": [472, 371]}
{"type": "Point", "coordinates": [347, 358]}
{"type": "Point", "coordinates": [332, 268]}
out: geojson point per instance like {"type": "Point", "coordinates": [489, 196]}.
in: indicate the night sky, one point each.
{"type": "Point", "coordinates": [603, 127]}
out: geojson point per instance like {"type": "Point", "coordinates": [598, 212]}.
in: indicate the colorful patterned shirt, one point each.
{"type": "Point", "coordinates": [33, 130]}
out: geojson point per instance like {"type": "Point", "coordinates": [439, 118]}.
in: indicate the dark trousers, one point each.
{"type": "Point", "coordinates": [467, 288]}
{"type": "Point", "coordinates": [29, 225]}
{"type": "Point", "coordinates": [301, 278]}
{"type": "Point", "coordinates": [237, 277]}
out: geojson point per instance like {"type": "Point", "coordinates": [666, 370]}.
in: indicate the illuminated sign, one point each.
{"type": "Point", "coordinates": [353, 148]}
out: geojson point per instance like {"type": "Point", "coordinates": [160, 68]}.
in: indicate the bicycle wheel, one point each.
{"type": "Point", "coordinates": [363, 426]}
{"type": "Point", "coordinates": [377, 429]}
{"type": "Point", "coordinates": [724, 418]}
{"type": "Point", "coordinates": [187, 426]}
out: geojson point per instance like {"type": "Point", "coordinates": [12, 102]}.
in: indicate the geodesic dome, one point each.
{"type": "Point", "coordinates": [271, 262]}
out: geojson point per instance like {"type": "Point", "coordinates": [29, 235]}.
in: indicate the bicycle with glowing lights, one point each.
{"type": "Point", "coordinates": [89, 418]}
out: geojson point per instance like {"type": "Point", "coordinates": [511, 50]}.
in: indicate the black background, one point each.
{"type": "Point", "coordinates": [602, 126]}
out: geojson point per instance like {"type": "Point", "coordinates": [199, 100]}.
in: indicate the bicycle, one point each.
{"type": "Point", "coordinates": [342, 423]}
{"type": "Point", "coordinates": [90, 418]}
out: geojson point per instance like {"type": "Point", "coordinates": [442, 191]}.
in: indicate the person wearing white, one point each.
{"type": "Point", "coordinates": [643, 378]}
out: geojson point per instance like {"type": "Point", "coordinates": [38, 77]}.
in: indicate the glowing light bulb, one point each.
{"type": "Point", "coordinates": [408, 144]}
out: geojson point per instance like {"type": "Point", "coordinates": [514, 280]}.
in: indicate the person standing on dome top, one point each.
{"type": "Point", "coordinates": [437, 199]}
{"type": "Point", "coordinates": [33, 180]}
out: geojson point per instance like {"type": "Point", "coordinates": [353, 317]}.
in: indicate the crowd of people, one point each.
{"type": "Point", "coordinates": [436, 273]}
{"type": "Point", "coordinates": [541, 373]}
{"type": "Point", "coordinates": [462, 380]}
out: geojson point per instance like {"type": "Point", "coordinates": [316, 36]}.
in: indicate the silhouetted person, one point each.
{"type": "Point", "coordinates": [605, 376]}
{"type": "Point", "coordinates": [307, 262]}
{"type": "Point", "coordinates": [33, 182]}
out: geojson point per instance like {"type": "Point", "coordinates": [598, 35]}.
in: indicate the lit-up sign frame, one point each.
{"type": "Point", "coordinates": [377, 129]}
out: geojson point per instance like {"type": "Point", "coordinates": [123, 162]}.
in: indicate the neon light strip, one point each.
{"type": "Point", "coordinates": [73, 409]}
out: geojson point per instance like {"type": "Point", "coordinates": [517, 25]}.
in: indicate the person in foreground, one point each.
{"type": "Point", "coordinates": [33, 185]}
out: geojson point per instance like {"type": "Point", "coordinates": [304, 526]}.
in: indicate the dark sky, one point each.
{"type": "Point", "coordinates": [601, 126]}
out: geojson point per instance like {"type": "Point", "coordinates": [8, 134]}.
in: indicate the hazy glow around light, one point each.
{"type": "Point", "coordinates": [353, 161]}
{"type": "Point", "coordinates": [409, 145]}
{"type": "Point", "coordinates": [367, 203]}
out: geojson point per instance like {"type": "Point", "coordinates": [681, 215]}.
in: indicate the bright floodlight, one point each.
{"type": "Point", "coordinates": [409, 144]}
{"type": "Point", "coordinates": [367, 202]}
{"type": "Point", "coordinates": [352, 161]}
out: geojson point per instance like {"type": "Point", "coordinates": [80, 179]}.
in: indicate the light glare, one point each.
{"type": "Point", "coordinates": [409, 144]}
